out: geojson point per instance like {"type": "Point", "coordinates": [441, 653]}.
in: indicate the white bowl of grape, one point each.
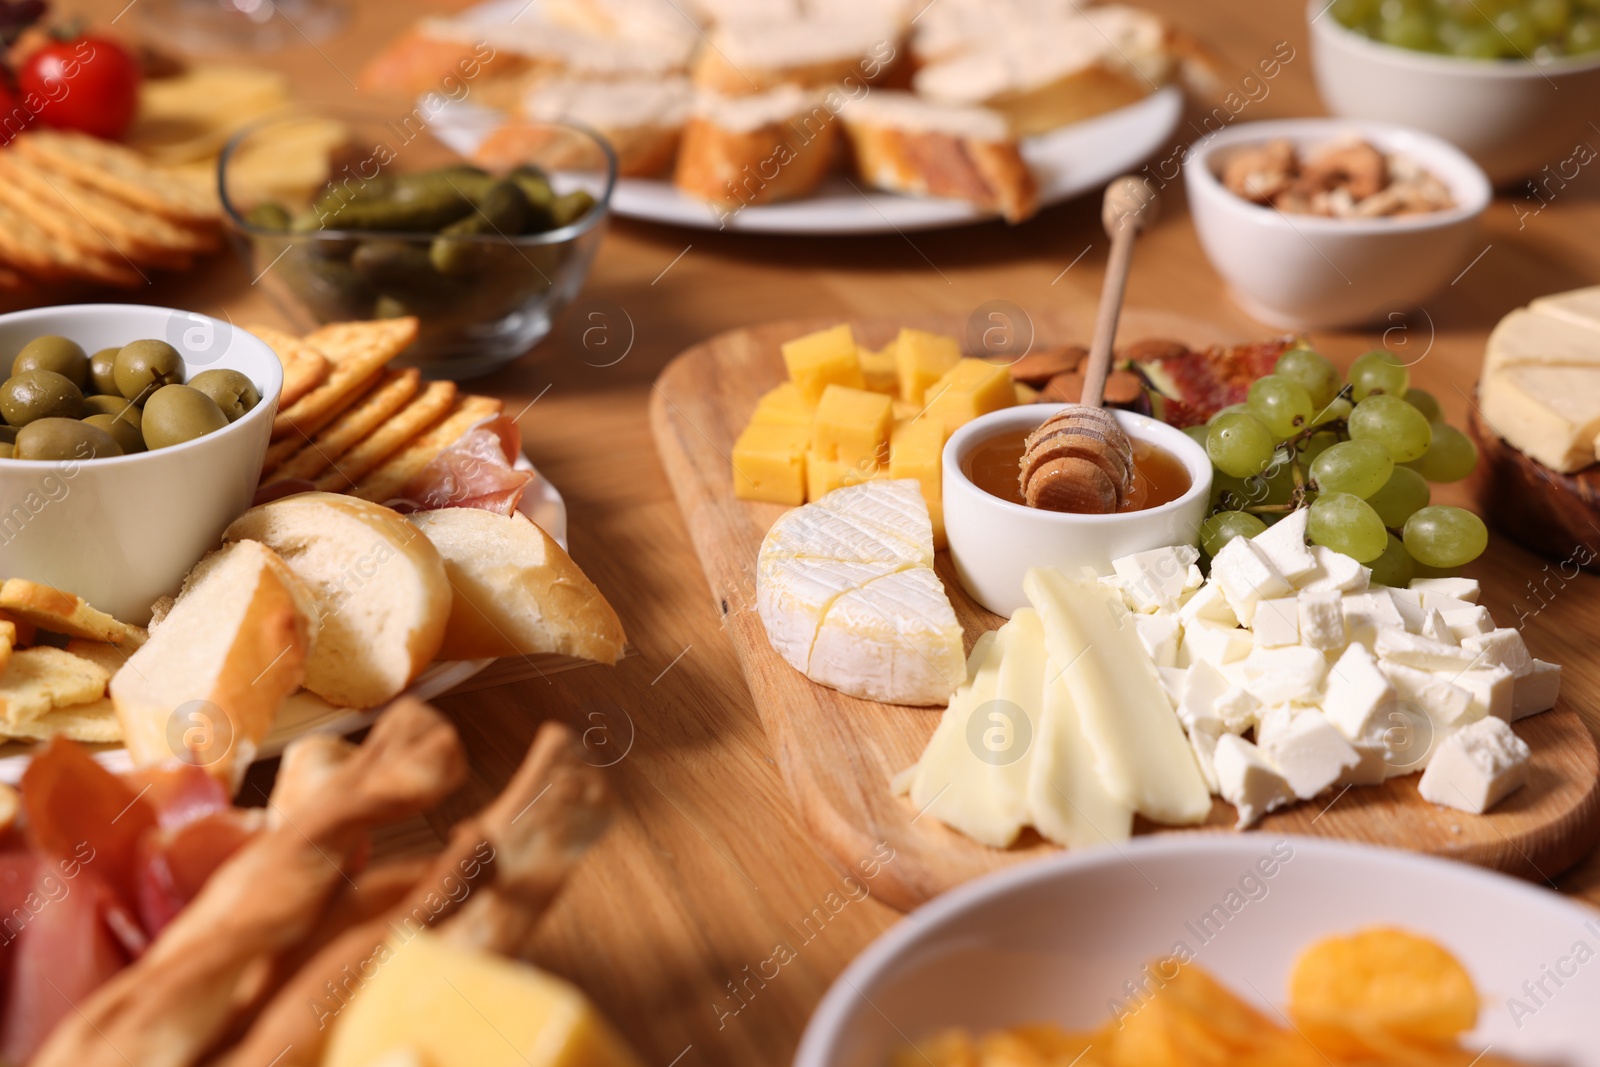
{"type": "Point", "coordinates": [1512, 83]}
{"type": "Point", "coordinates": [1357, 453]}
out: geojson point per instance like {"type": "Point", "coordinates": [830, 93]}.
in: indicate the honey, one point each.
{"type": "Point", "coordinates": [994, 463]}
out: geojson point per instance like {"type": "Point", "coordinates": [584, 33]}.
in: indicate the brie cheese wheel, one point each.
{"type": "Point", "coordinates": [1540, 387]}
{"type": "Point", "coordinates": [846, 590]}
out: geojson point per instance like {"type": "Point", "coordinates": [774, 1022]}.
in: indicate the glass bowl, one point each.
{"type": "Point", "coordinates": [358, 238]}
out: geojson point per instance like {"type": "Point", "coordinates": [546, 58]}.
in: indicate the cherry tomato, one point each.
{"type": "Point", "coordinates": [90, 84]}
{"type": "Point", "coordinates": [14, 116]}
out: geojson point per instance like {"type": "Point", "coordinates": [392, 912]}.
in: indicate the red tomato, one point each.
{"type": "Point", "coordinates": [14, 117]}
{"type": "Point", "coordinates": [90, 84]}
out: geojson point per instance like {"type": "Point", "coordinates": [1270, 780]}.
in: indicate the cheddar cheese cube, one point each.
{"type": "Point", "coordinates": [769, 463]}
{"type": "Point", "coordinates": [818, 360]}
{"type": "Point", "coordinates": [916, 451]}
{"type": "Point", "coordinates": [823, 476]}
{"type": "Point", "coordinates": [784, 406]}
{"type": "Point", "coordinates": [971, 388]}
{"type": "Point", "coordinates": [922, 358]}
{"type": "Point", "coordinates": [852, 426]}
{"type": "Point", "coordinates": [879, 369]}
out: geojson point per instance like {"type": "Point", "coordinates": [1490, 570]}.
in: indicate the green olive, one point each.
{"type": "Point", "coordinates": [62, 439]}
{"type": "Point", "coordinates": [103, 371]}
{"type": "Point", "coordinates": [142, 367]}
{"type": "Point", "coordinates": [176, 413]}
{"type": "Point", "coordinates": [39, 394]}
{"type": "Point", "coordinates": [233, 392]}
{"type": "Point", "coordinates": [111, 405]}
{"type": "Point", "coordinates": [8, 435]}
{"type": "Point", "coordinates": [124, 433]}
{"type": "Point", "coordinates": [7, 450]}
{"type": "Point", "coordinates": [65, 357]}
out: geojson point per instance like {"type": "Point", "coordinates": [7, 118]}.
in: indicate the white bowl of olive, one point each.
{"type": "Point", "coordinates": [131, 437]}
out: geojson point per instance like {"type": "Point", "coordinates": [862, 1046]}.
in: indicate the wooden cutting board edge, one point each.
{"type": "Point", "coordinates": [696, 411]}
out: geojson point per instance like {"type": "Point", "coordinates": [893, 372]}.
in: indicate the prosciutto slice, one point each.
{"type": "Point", "coordinates": [475, 472]}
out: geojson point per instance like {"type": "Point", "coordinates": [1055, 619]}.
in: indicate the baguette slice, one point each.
{"type": "Point", "coordinates": [516, 591]}
{"type": "Point", "coordinates": [380, 591]}
{"type": "Point", "coordinates": [235, 644]}
{"type": "Point", "coordinates": [756, 149]}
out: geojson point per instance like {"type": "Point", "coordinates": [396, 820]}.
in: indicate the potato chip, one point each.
{"type": "Point", "coordinates": [1383, 979]}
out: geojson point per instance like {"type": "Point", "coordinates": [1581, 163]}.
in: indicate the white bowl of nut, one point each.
{"type": "Point", "coordinates": [1322, 223]}
{"type": "Point", "coordinates": [133, 435]}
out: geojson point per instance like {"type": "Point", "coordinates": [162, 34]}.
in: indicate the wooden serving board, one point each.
{"type": "Point", "coordinates": [1553, 514]}
{"type": "Point", "coordinates": [837, 753]}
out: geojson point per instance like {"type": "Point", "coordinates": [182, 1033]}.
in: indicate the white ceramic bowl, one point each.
{"type": "Point", "coordinates": [1305, 272]}
{"type": "Point", "coordinates": [1062, 938]}
{"type": "Point", "coordinates": [122, 532]}
{"type": "Point", "coordinates": [993, 542]}
{"type": "Point", "coordinates": [1513, 117]}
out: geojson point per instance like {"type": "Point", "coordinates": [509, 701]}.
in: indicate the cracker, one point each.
{"type": "Point", "coordinates": [61, 612]}
{"type": "Point", "coordinates": [386, 482]}
{"type": "Point", "coordinates": [358, 351]}
{"type": "Point", "coordinates": [38, 680]}
{"type": "Point", "coordinates": [429, 407]}
{"type": "Point", "coordinates": [8, 641]}
{"type": "Point", "coordinates": [304, 368]}
{"type": "Point", "coordinates": [313, 418]}
{"type": "Point", "coordinates": [109, 656]}
{"type": "Point", "coordinates": [116, 217]}
{"type": "Point", "coordinates": [33, 250]}
{"type": "Point", "coordinates": [88, 219]}
{"type": "Point", "coordinates": [92, 723]}
{"type": "Point", "coordinates": [366, 417]}
{"type": "Point", "coordinates": [121, 172]}
{"type": "Point", "coordinates": [343, 342]}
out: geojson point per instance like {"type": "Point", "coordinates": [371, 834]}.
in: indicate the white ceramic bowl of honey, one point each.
{"type": "Point", "coordinates": [994, 540]}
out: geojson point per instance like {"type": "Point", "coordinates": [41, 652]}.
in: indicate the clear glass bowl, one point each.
{"type": "Point", "coordinates": [483, 300]}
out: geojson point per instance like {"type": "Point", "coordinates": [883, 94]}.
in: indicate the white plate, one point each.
{"type": "Point", "coordinates": [541, 502]}
{"type": "Point", "coordinates": [1060, 940]}
{"type": "Point", "coordinates": [1067, 162]}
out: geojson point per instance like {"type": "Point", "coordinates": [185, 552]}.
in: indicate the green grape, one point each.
{"type": "Point", "coordinates": [1550, 17]}
{"type": "Point", "coordinates": [1312, 371]}
{"type": "Point", "coordinates": [1316, 445]}
{"type": "Point", "coordinates": [1275, 485]}
{"type": "Point", "coordinates": [1197, 434]}
{"type": "Point", "coordinates": [1360, 468]}
{"type": "Point", "coordinates": [1239, 444]}
{"type": "Point", "coordinates": [1231, 409]}
{"type": "Point", "coordinates": [1346, 523]}
{"type": "Point", "coordinates": [1517, 29]}
{"type": "Point", "coordinates": [1420, 571]}
{"type": "Point", "coordinates": [1336, 410]}
{"type": "Point", "coordinates": [1583, 36]}
{"type": "Point", "coordinates": [1441, 536]}
{"type": "Point", "coordinates": [1228, 494]}
{"type": "Point", "coordinates": [1476, 44]}
{"type": "Point", "coordinates": [1394, 567]}
{"type": "Point", "coordinates": [1405, 493]}
{"type": "Point", "coordinates": [1424, 402]}
{"type": "Point", "coordinates": [1450, 458]}
{"type": "Point", "coordinates": [1410, 30]}
{"type": "Point", "coordinates": [1394, 424]}
{"type": "Point", "coordinates": [1281, 403]}
{"type": "Point", "coordinates": [1353, 13]}
{"type": "Point", "coordinates": [1224, 526]}
{"type": "Point", "coordinates": [1378, 371]}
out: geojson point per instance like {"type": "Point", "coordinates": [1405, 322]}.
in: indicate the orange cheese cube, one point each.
{"type": "Point", "coordinates": [852, 426]}
{"type": "Point", "coordinates": [784, 406]}
{"type": "Point", "coordinates": [769, 463]}
{"type": "Point", "coordinates": [921, 359]}
{"type": "Point", "coordinates": [971, 388]}
{"type": "Point", "coordinates": [879, 369]}
{"type": "Point", "coordinates": [823, 476]}
{"type": "Point", "coordinates": [818, 360]}
{"type": "Point", "coordinates": [916, 451]}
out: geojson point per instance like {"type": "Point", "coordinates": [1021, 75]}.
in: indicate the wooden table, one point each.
{"type": "Point", "coordinates": [707, 869]}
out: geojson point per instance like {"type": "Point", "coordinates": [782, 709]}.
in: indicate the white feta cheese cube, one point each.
{"type": "Point", "coordinates": [1322, 620]}
{"type": "Point", "coordinates": [1194, 578]}
{"type": "Point", "coordinates": [1460, 588]}
{"type": "Point", "coordinates": [1273, 721]}
{"type": "Point", "coordinates": [1414, 650]}
{"type": "Point", "coordinates": [1335, 571]}
{"type": "Point", "coordinates": [1246, 578]}
{"type": "Point", "coordinates": [1371, 766]}
{"type": "Point", "coordinates": [1499, 648]}
{"type": "Point", "coordinates": [1358, 695]}
{"type": "Point", "coordinates": [1173, 679]}
{"type": "Point", "coordinates": [1435, 629]}
{"type": "Point", "coordinates": [1491, 689]}
{"type": "Point", "coordinates": [1237, 708]}
{"type": "Point", "coordinates": [1209, 604]}
{"type": "Point", "coordinates": [1536, 690]}
{"type": "Point", "coordinates": [1160, 635]}
{"type": "Point", "coordinates": [1476, 767]}
{"type": "Point", "coordinates": [1446, 706]}
{"type": "Point", "coordinates": [1154, 581]}
{"type": "Point", "coordinates": [1468, 621]}
{"type": "Point", "coordinates": [1213, 643]}
{"type": "Point", "coordinates": [1202, 685]}
{"type": "Point", "coordinates": [1310, 752]}
{"type": "Point", "coordinates": [1248, 780]}
{"type": "Point", "coordinates": [1277, 623]}
{"type": "Point", "coordinates": [1441, 604]}
{"type": "Point", "coordinates": [1284, 546]}
{"type": "Point", "coordinates": [1292, 674]}
{"type": "Point", "coordinates": [1408, 602]}
{"type": "Point", "coordinates": [1367, 613]}
{"type": "Point", "coordinates": [1203, 740]}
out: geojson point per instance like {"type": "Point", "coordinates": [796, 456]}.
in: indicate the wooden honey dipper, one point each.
{"type": "Point", "coordinates": [1079, 459]}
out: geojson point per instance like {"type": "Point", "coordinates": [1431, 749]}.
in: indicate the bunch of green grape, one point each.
{"type": "Point", "coordinates": [1479, 29]}
{"type": "Point", "coordinates": [1360, 455]}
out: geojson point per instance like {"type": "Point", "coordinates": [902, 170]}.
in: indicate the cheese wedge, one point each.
{"type": "Point", "coordinates": [1140, 751]}
{"type": "Point", "coordinates": [1550, 413]}
{"type": "Point", "coordinates": [1580, 306]}
{"type": "Point", "coordinates": [1529, 336]}
{"type": "Point", "coordinates": [895, 639]}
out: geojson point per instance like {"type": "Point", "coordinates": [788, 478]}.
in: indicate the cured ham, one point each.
{"type": "Point", "coordinates": [476, 472]}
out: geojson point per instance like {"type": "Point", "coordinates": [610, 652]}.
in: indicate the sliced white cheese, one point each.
{"type": "Point", "coordinates": [1249, 780]}
{"type": "Point", "coordinates": [1067, 801]}
{"type": "Point", "coordinates": [1460, 588]}
{"type": "Point", "coordinates": [1284, 546]}
{"type": "Point", "coordinates": [1140, 751]}
{"type": "Point", "coordinates": [1173, 680]}
{"type": "Point", "coordinates": [1277, 622]}
{"type": "Point", "coordinates": [1476, 768]}
{"type": "Point", "coordinates": [1550, 414]}
{"type": "Point", "coordinates": [1536, 690]}
{"type": "Point", "coordinates": [1156, 580]}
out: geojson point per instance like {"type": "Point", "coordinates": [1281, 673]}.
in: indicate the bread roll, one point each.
{"type": "Point", "coordinates": [233, 646]}
{"type": "Point", "coordinates": [516, 591]}
{"type": "Point", "coordinates": [380, 590]}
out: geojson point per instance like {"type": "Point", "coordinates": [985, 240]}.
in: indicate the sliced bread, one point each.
{"type": "Point", "coordinates": [208, 684]}
{"type": "Point", "coordinates": [516, 591]}
{"type": "Point", "coordinates": [380, 591]}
